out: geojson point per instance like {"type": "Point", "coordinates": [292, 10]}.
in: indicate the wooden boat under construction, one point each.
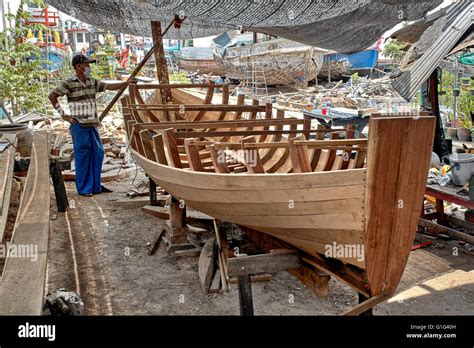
{"type": "Point", "coordinates": [279, 62]}
{"type": "Point", "coordinates": [349, 204]}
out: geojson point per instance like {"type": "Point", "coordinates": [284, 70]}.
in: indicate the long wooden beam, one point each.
{"type": "Point", "coordinates": [219, 124]}
{"type": "Point", "coordinates": [22, 283]}
{"type": "Point", "coordinates": [195, 134]}
{"type": "Point", "coordinates": [194, 107]}
{"type": "Point", "coordinates": [176, 85]}
{"type": "Point", "coordinates": [264, 263]}
{"type": "Point", "coordinates": [368, 304]}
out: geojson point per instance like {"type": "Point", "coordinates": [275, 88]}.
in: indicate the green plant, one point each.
{"type": "Point", "coordinates": [21, 66]}
{"type": "Point", "coordinates": [395, 49]}
{"type": "Point", "coordinates": [355, 78]}
{"type": "Point", "coordinates": [180, 77]}
{"type": "Point", "coordinates": [464, 102]}
{"type": "Point", "coordinates": [466, 123]}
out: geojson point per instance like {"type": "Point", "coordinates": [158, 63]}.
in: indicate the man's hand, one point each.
{"type": "Point", "coordinates": [69, 119]}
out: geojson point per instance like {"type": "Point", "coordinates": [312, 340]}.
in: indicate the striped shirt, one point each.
{"type": "Point", "coordinates": [81, 96]}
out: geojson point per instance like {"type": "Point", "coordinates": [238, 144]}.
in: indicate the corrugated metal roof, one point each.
{"type": "Point", "coordinates": [460, 18]}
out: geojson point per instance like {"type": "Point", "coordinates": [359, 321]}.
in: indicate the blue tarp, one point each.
{"type": "Point", "coordinates": [366, 59]}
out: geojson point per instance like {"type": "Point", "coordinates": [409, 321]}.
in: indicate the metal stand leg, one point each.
{"type": "Point", "coordinates": [368, 312]}
{"type": "Point", "coordinates": [245, 295]}
{"type": "Point", "coordinates": [153, 196]}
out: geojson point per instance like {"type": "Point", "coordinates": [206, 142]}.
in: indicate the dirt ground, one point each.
{"type": "Point", "coordinates": [99, 249]}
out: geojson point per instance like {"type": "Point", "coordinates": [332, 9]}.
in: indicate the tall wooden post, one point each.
{"type": "Point", "coordinates": [160, 59]}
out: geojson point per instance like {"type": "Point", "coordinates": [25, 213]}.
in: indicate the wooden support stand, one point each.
{"type": "Point", "coordinates": [245, 295]}
{"type": "Point", "coordinates": [243, 267]}
{"type": "Point", "coordinates": [153, 196]}
{"type": "Point", "coordinates": [58, 183]}
{"type": "Point", "coordinates": [176, 231]}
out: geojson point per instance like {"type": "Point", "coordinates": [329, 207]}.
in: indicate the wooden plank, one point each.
{"type": "Point", "coordinates": [346, 156]}
{"type": "Point", "coordinates": [222, 252]}
{"type": "Point", "coordinates": [331, 155]}
{"type": "Point", "coordinates": [233, 133]}
{"type": "Point", "coordinates": [317, 152]}
{"type": "Point", "coordinates": [234, 123]}
{"type": "Point", "coordinates": [201, 108]}
{"type": "Point", "coordinates": [147, 144]}
{"type": "Point", "coordinates": [368, 304]}
{"type": "Point", "coordinates": [156, 241]}
{"type": "Point", "coordinates": [254, 278]}
{"type": "Point", "coordinates": [265, 263]}
{"type": "Point", "coordinates": [460, 222]}
{"type": "Point", "coordinates": [194, 159]}
{"type": "Point", "coordinates": [217, 160]}
{"type": "Point", "coordinates": [22, 284]}
{"type": "Point", "coordinates": [299, 156]}
{"type": "Point", "coordinates": [206, 264]}
{"type": "Point", "coordinates": [192, 215]}
{"type": "Point", "coordinates": [316, 280]}
{"type": "Point", "coordinates": [397, 169]}
{"type": "Point", "coordinates": [176, 86]}
{"type": "Point", "coordinates": [195, 252]}
{"type": "Point", "coordinates": [207, 100]}
{"type": "Point", "coordinates": [436, 228]}
{"type": "Point", "coordinates": [159, 148]}
{"type": "Point", "coordinates": [253, 161]}
{"type": "Point", "coordinates": [340, 271]}
{"type": "Point", "coordinates": [216, 283]}
{"type": "Point", "coordinates": [172, 148]}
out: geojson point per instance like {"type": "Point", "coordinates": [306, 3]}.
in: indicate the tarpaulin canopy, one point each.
{"type": "Point", "coordinates": [343, 26]}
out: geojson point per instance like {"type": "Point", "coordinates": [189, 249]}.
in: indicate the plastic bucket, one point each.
{"type": "Point", "coordinates": [462, 168]}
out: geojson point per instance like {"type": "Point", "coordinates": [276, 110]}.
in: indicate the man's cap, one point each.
{"type": "Point", "coordinates": [80, 58]}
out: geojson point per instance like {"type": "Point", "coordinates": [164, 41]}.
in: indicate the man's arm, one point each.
{"type": "Point", "coordinates": [116, 86]}
{"type": "Point", "coordinates": [53, 98]}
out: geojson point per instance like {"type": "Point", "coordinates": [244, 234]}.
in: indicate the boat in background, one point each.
{"type": "Point", "coordinates": [51, 45]}
{"type": "Point", "coordinates": [278, 61]}
{"type": "Point", "coordinates": [199, 58]}
{"type": "Point", "coordinates": [337, 64]}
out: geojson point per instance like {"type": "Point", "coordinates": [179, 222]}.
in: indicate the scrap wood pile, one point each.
{"type": "Point", "coordinates": [357, 93]}
{"type": "Point", "coordinates": [116, 159]}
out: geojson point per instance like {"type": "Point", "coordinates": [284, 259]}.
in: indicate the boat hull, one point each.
{"type": "Point", "coordinates": [213, 67]}
{"type": "Point", "coordinates": [283, 62]}
{"type": "Point", "coordinates": [316, 209]}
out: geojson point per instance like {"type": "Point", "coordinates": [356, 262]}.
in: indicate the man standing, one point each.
{"type": "Point", "coordinates": [81, 91]}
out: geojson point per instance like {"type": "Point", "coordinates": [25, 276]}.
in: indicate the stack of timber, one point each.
{"type": "Point", "coordinates": [24, 274]}
{"type": "Point", "coordinates": [336, 198]}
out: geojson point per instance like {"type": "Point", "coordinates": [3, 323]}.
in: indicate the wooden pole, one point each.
{"type": "Point", "coordinates": [160, 61]}
{"type": "Point", "coordinates": [133, 74]}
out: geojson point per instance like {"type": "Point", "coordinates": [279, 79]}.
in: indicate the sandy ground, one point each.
{"type": "Point", "coordinates": [99, 248]}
